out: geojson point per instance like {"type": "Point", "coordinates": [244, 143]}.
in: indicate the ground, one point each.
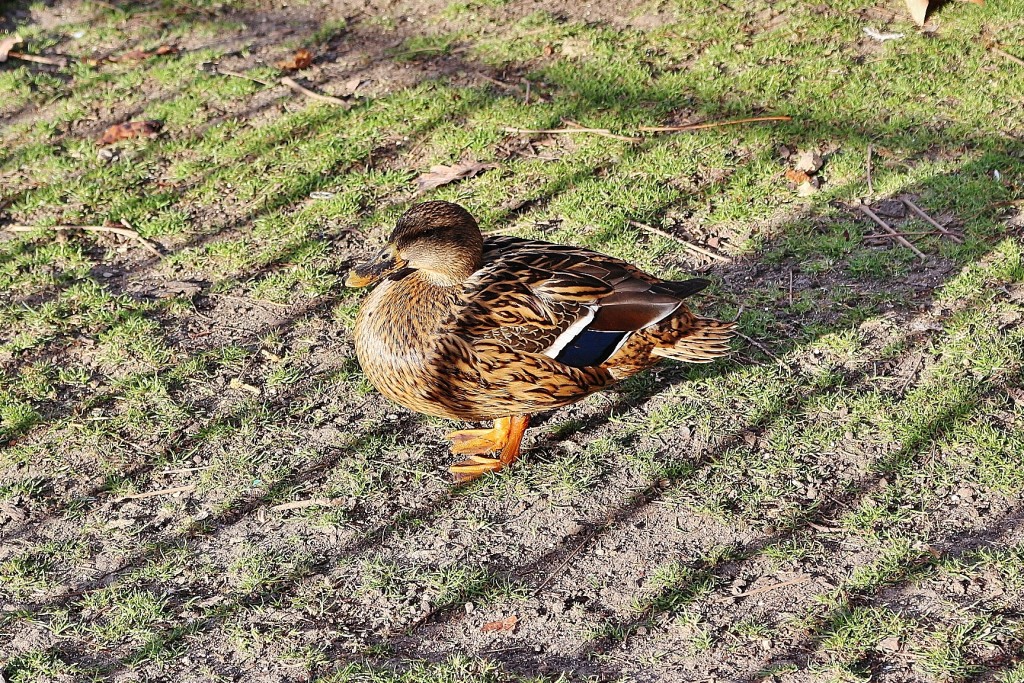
{"type": "Point", "coordinates": [840, 499]}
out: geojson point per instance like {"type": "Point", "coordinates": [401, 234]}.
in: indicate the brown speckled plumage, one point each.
{"type": "Point", "coordinates": [470, 329]}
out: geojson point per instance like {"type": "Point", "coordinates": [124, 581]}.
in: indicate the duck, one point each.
{"type": "Point", "coordinates": [501, 328]}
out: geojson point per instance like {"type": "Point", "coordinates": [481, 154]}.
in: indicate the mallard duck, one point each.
{"type": "Point", "coordinates": [501, 328]}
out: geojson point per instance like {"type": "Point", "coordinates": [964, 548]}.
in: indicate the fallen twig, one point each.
{"type": "Point", "coordinates": [124, 232]}
{"type": "Point", "coordinates": [920, 212]}
{"type": "Point", "coordinates": [692, 247]}
{"type": "Point", "coordinates": [161, 492]}
{"type": "Point", "coordinates": [1006, 55]}
{"type": "Point", "coordinates": [238, 74]}
{"type": "Point", "coordinates": [39, 59]}
{"type": "Point", "coordinates": [185, 470]}
{"type": "Point", "coordinates": [765, 589]}
{"type": "Point", "coordinates": [889, 229]}
{"type": "Point", "coordinates": [763, 349]}
{"type": "Point", "coordinates": [495, 81]}
{"type": "Point", "coordinates": [716, 124]}
{"type": "Point", "coordinates": [889, 236]}
{"type": "Point", "coordinates": [573, 124]}
{"type": "Point", "coordinates": [134, 234]}
{"type": "Point", "coordinates": [313, 95]}
{"type": "Point", "coordinates": [604, 132]}
{"type": "Point", "coordinates": [308, 503]}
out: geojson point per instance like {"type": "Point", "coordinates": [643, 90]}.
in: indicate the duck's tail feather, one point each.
{"type": "Point", "coordinates": [705, 341]}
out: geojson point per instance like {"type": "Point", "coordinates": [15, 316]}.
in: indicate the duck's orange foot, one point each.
{"type": "Point", "coordinates": [505, 436]}
{"type": "Point", "coordinates": [476, 441]}
{"type": "Point", "coordinates": [473, 467]}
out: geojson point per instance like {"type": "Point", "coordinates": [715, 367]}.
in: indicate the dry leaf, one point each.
{"type": "Point", "coordinates": [797, 177]}
{"type": "Point", "coordinates": [505, 625]}
{"type": "Point", "coordinates": [131, 129]}
{"type": "Point", "coordinates": [809, 162]}
{"type": "Point", "coordinates": [7, 44]}
{"type": "Point", "coordinates": [300, 60]}
{"type": "Point", "coordinates": [918, 10]}
{"type": "Point", "coordinates": [442, 175]}
{"type": "Point", "coordinates": [350, 86]}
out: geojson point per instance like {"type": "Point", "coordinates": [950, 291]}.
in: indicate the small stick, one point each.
{"type": "Point", "coordinates": [313, 95]}
{"type": "Point", "coordinates": [495, 81]}
{"type": "Point", "coordinates": [889, 236]}
{"type": "Point", "coordinates": [133, 233]}
{"type": "Point", "coordinates": [573, 124]}
{"type": "Point", "coordinates": [871, 188]}
{"type": "Point", "coordinates": [763, 350]}
{"type": "Point", "coordinates": [238, 74]}
{"type": "Point", "coordinates": [889, 229]}
{"type": "Point", "coordinates": [791, 288]}
{"type": "Point", "coordinates": [124, 232]}
{"type": "Point", "coordinates": [604, 132]}
{"type": "Point", "coordinates": [692, 247]}
{"type": "Point", "coordinates": [184, 470]}
{"type": "Point", "coordinates": [920, 212]}
{"type": "Point", "coordinates": [527, 101]}
{"type": "Point", "coordinates": [311, 502]}
{"type": "Point", "coordinates": [765, 589]}
{"type": "Point", "coordinates": [1013, 58]}
{"type": "Point", "coordinates": [38, 59]}
{"type": "Point", "coordinates": [718, 124]}
{"type": "Point", "coordinates": [161, 492]}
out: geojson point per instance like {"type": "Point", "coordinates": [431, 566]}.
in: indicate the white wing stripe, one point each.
{"type": "Point", "coordinates": [570, 333]}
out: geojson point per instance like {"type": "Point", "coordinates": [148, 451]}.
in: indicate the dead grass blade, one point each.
{"type": "Point", "coordinates": [313, 95]}
{"type": "Point", "coordinates": [921, 214]}
{"type": "Point", "coordinates": [889, 229]}
{"type": "Point", "coordinates": [687, 245]}
{"type": "Point", "coordinates": [161, 492]}
{"type": "Point", "coordinates": [716, 124]}
{"type": "Point", "coordinates": [124, 232]}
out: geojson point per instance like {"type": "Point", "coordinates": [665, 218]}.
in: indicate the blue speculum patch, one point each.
{"type": "Point", "coordinates": [590, 348]}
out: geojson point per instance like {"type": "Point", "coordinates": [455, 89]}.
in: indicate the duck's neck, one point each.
{"type": "Point", "coordinates": [425, 299]}
{"type": "Point", "coordinates": [450, 269]}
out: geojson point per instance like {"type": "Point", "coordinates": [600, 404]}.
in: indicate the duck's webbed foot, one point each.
{"type": "Point", "coordinates": [506, 437]}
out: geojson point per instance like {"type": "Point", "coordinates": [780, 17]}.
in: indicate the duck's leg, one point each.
{"type": "Point", "coordinates": [506, 436]}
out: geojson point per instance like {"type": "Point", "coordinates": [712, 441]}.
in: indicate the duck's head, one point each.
{"type": "Point", "coordinates": [438, 239]}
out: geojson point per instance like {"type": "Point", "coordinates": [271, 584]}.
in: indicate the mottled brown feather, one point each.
{"type": "Point", "coordinates": [474, 350]}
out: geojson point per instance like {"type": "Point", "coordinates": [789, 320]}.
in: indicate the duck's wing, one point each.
{"type": "Point", "coordinates": [572, 305]}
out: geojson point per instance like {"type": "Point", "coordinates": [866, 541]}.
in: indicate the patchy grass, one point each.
{"type": "Point", "coordinates": [837, 500]}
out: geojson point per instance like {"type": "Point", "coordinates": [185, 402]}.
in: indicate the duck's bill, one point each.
{"type": "Point", "coordinates": [383, 265]}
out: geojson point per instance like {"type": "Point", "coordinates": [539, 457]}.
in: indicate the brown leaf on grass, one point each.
{"type": "Point", "coordinates": [131, 129]}
{"type": "Point", "coordinates": [505, 625]}
{"type": "Point", "coordinates": [918, 10]}
{"type": "Point", "coordinates": [350, 86]}
{"type": "Point", "coordinates": [442, 175]}
{"type": "Point", "coordinates": [797, 177]}
{"type": "Point", "coordinates": [7, 43]}
{"type": "Point", "coordinates": [300, 60]}
{"type": "Point", "coordinates": [809, 162]}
